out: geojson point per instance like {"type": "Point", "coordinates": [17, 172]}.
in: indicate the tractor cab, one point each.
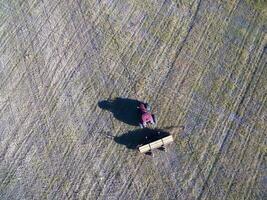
{"type": "Point", "coordinates": [145, 116]}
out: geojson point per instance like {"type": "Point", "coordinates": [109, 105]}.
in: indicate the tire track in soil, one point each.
{"type": "Point", "coordinates": [18, 159]}
{"type": "Point", "coordinates": [136, 48]}
{"type": "Point", "coordinates": [206, 124]}
{"type": "Point", "coordinates": [259, 157]}
{"type": "Point", "coordinates": [68, 150]}
{"type": "Point", "coordinates": [146, 34]}
{"type": "Point", "coordinates": [144, 190]}
{"type": "Point", "coordinates": [111, 177]}
{"type": "Point", "coordinates": [161, 83]}
{"type": "Point", "coordinates": [123, 23]}
{"type": "Point", "coordinates": [214, 132]}
{"type": "Point", "coordinates": [230, 129]}
{"type": "Point", "coordinates": [250, 127]}
{"type": "Point", "coordinates": [184, 73]}
{"type": "Point", "coordinates": [98, 115]}
{"type": "Point", "coordinates": [16, 28]}
{"type": "Point", "coordinates": [158, 27]}
{"type": "Point", "coordinates": [165, 49]}
{"type": "Point", "coordinates": [225, 136]}
{"type": "Point", "coordinates": [191, 23]}
{"type": "Point", "coordinates": [23, 74]}
{"type": "Point", "coordinates": [27, 49]}
{"type": "Point", "coordinates": [161, 86]}
{"type": "Point", "coordinates": [15, 129]}
{"type": "Point", "coordinates": [155, 174]}
{"type": "Point", "coordinates": [152, 178]}
{"type": "Point", "coordinates": [190, 100]}
{"type": "Point", "coordinates": [33, 122]}
{"type": "Point", "coordinates": [110, 149]}
{"type": "Point", "coordinates": [96, 120]}
{"type": "Point", "coordinates": [131, 178]}
{"type": "Point", "coordinates": [102, 160]}
{"type": "Point", "coordinates": [47, 39]}
{"type": "Point", "coordinates": [53, 72]}
{"type": "Point", "coordinates": [242, 151]}
{"type": "Point", "coordinates": [68, 172]}
{"type": "Point", "coordinates": [67, 75]}
{"type": "Point", "coordinates": [203, 34]}
{"type": "Point", "coordinates": [225, 153]}
{"type": "Point", "coordinates": [92, 153]}
{"type": "Point", "coordinates": [200, 77]}
{"type": "Point", "coordinates": [105, 161]}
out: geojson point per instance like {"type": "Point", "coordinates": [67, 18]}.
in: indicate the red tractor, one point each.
{"type": "Point", "coordinates": [145, 116]}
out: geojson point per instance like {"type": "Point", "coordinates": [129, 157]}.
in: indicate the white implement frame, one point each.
{"type": "Point", "coordinates": [156, 144]}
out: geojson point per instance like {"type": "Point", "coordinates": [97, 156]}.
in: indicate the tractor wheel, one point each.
{"type": "Point", "coordinates": [148, 108]}
{"type": "Point", "coordinates": [154, 119]}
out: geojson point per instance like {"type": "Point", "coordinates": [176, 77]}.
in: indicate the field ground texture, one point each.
{"type": "Point", "coordinates": [200, 63]}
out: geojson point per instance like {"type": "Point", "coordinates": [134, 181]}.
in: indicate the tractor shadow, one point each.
{"type": "Point", "coordinates": [123, 109]}
{"type": "Point", "coordinates": [133, 139]}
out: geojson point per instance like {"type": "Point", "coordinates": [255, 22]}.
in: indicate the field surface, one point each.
{"type": "Point", "coordinates": [71, 70]}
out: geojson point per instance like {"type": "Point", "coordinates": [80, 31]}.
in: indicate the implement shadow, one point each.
{"type": "Point", "coordinates": [133, 139]}
{"type": "Point", "coordinates": [123, 109]}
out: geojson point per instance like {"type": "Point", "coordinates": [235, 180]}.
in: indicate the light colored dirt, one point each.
{"type": "Point", "coordinates": [201, 64]}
